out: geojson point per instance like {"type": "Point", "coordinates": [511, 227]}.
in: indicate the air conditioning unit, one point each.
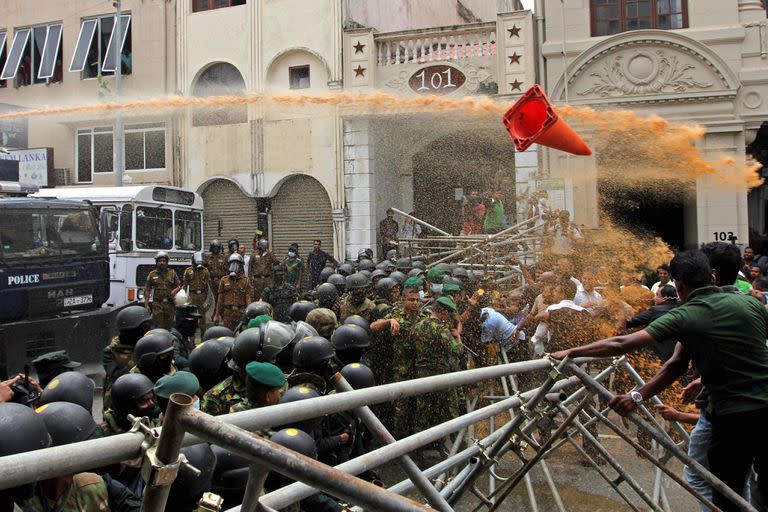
{"type": "Point", "coordinates": [62, 177]}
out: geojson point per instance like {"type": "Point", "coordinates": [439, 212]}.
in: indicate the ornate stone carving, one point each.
{"type": "Point", "coordinates": [641, 73]}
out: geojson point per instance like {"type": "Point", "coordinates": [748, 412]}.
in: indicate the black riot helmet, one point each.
{"type": "Point", "coordinates": [404, 264]}
{"type": "Point", "coordinates": [298, 393]}
{"type": "Point", "coordinates": [217, 331]}
{"type": "Point", "coordinates": [327, 271]}
{"type": "Point", "coordinates": [338, 281]}
{"type": "Point", "coordinates": [358, 375]}
{"type": "Point", "coordinates": [285, 357]}
{"type": "Point", "coordinates": [215, 246]}
{"type": "Point", "coordinates": [197, 260]}
{"type": "Point", "coordinates": [460, 273]}
{"type": "Point", "coordinates": [391, 255]}
{"type": "Point", "coordinates": [262, 343]}
{"type": "Point", "coordinates": [398, 276]}
{"type": "Point", "coordinates": [188, 486]}
{"type": "Point", "coordinates": [359, 321]}
{"type": "Point", "coordinates": [419, 264]}
{"type": "Point", "coordinates": [150, 357]}
{"type": "Point", "coordinates": [356, 282]}
{"type": "Point", "coordinates": [386, 265]}
{"type": "Point", "coordinates": [71, 387]}
{"type": "Point", "coordinates": [345, 269]}
{"type": "Point", "coordinates": [326, 294]}
{"type": "Point", "coordinates": [67, 422]}
{"type": "Point", "coordinates": [133, 318]}
{"type": "Point", "coordinates": [21, 430]}
{"type": "Point", "coordinates": [415, 272]}
{"type": "Point", "coordinates": [235, 263]}
{"type": "Point", "coordinates": [208, 361]}
{"type": "Point", "coordinates": [385, 286]}
{"type": "Point", "coordinates": [258, 308]}
{"type": "Point", "coordinates": [127, 390]}
{"type": "Point", "coordinates": [365, 264]}
{"type": "Point", "coordinates": [296, 440]}
{"type": "Point", "coordinates": [350, 343]}
{"type": "Point", "coordinates": [233, 245]}
{"type": "Point", "coordinates": [312, 354]}
{"type": "Point", "coordinates": [298, 311]}
{"type": "Point", "coordinates": [377, 274]}
{"type": "Point", "coordinates": [230, 475]}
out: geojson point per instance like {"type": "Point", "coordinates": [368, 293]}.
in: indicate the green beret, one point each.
{"type": "Point", "coordinates": [435, 275]}
{"type": "Point", "coordinates": [413, 283]}
{"type": "Point", "coordinates": [257, 321]}
{"type": "Point", "coordinates": [179, 382]}
{"type": "Point", "coordinates": [448, 303]}
{"type": "Point", "coordinates": [451, 287]}
{"type": "Point", "coordinates": [265, 374]}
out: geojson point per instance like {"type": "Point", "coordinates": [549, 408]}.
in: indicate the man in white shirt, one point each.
{"type": "Point", "coordinates": [664, 278]}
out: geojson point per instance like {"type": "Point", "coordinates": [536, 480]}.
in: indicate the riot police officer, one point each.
{"type": "Point", "coordinates": [208, 361]}
{"type": "Point", "coordinates": [188, 319]}
{"type": "Point", "coordinates": [350, 343]}
{"type": "Point", "coordinates": [299, 310]}
{"type": "Point", "coordinates": [197, 281]}
{"type": "Point", "coordinates": [217, 266]}
{"type": "Point", "coordinates": [21, 430]}
{"type": "Point", "coordinates": [162, 285]}
{"type": "Point", "coordinates": [327, 296]}
{"type": "Point", "coordinates": [154, 355]}
{"type": "Point", "coordinates": [69, 387]}
{"type": "Point", "coordinates": [234, 294]}
{"type": "Point", "coordinates": [356, 302]}
{"type": "Point", "coordinates": [131, 394]}
{"type": "Point", "coordinates": [132, 323]}
{"type": "Point", "coordinates": [216, 331]}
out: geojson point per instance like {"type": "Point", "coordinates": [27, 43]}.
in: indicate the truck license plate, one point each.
{"type": "Point", "coordinates": [78, 300]}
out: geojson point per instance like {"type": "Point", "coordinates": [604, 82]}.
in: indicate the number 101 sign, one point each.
{"type": "Point", "coordinates": [438, 80]}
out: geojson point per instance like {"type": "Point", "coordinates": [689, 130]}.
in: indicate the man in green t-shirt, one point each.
{"type": "Point", "coordinates": [724, 335]}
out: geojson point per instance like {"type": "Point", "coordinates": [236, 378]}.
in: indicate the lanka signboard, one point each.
{"type": "Point", "coordinates": [35, 165]}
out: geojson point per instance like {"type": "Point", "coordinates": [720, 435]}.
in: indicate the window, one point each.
{"type": "Point", "coordinates": [94, 54]}
{"type": "Point", "coordinates": [220, 79]}
{"type": "Point", "coordinates": [3, 55]}
{"type": "Point", "coordinates": [616, 16]}
{"type": "Point", "coordinates": [154, 228]}
{"type": "Point", "coordinates": [94, 152]}
{"type": "Point", "coordinates": [144, 147]}
{"type": "Point", "coordinates": [207, 5]}
{"type": "Point", "coordinates": [188, 230]}
{"type": "Point", "coordinates": [126, 228]}
{"type": "Point", "coordinates": [298, 77]}
{"type": "Point", "coordinates": [35, 56]}
{"type": "Point", "coordinates": [26, 234]}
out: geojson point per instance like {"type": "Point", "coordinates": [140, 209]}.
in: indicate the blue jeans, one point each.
{"type": "Point", "coordinates": [697, 450]}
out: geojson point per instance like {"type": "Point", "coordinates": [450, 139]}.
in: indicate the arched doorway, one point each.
{"type": "Point", "coordinates": [229, 213]}
{"type": "Point", "coordinates": [301, 213]}
{"type": "Point", "coordinates": [219, 79]}
{"type": "Point", "coordinates": [466, 160]}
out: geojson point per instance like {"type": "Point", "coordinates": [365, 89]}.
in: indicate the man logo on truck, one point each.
{"type": "Point", "coordinates": [19, 280]}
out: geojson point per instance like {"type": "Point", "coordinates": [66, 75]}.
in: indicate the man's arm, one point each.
{"type": "Point", "coordinates": [615, 346]}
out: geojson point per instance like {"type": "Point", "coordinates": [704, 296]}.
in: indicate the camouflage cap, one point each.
{"type": "Point", "coordinates": [447, 303]}
{"type": "Point", "coordinates": [412, 283]}
{"type": "Point", "coordinates": [265, 374]}
{"type": "Point", "coordinates": [180, 382]}
{"type": "Point", "coordinates": [323, 320]}
{"type": "Point", "coordinates": [435, 275]}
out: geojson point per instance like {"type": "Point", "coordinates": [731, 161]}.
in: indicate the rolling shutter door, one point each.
{"type": "Point", "coordinates": [229, 214]}
{"type": "Point", "coordinates": [301, 213]}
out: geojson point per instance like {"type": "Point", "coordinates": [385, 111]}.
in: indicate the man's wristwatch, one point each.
{"type": "Point", "coordinates": [636, 397]}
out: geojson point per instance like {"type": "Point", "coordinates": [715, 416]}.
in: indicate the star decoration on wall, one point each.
{"type": "Point", "coordinates": [359, 71]}
{"type": "Point", "coordinates": [359, 47]}
{"type": "Point", "coordinates": [514, 31]}
{"type": "Point", "coordinates": [514, 58]}
{"type": "Point", "coordinates": [516, 85]}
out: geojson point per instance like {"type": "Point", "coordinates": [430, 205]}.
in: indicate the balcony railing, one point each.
{"type": "Point", "coordinates": [436, 45]}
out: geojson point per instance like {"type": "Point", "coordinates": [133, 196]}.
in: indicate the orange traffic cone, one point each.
{"type": "Point", "coordinates": [533, 119]}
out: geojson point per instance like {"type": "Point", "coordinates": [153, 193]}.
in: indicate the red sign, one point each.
{"type": "Point", "coordinates": [439, 79]}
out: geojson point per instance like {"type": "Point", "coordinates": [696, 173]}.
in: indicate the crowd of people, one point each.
{"type": "Point", "coordinates": [376, 322]}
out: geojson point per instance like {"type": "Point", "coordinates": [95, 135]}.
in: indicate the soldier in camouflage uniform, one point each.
{"type": "Point", "coordinates": [132, 323]}
{"type": "Point", "coordinates": [437, 350]}
{"type": "Point", "coordinates": [280, 294]}
{"type": "Point", "coordinates": [223, 396]}
{"type": "Point", "coordinates": [197, 281]}
{"type": "Point", "coordinates": [131, 394]}
{"type": "Point", "coordinates": [260, 268]}
{"type": "Point", "coordinates": [216, 262]}
{"type": "Point", "coordinates": [356, 302]}
{"type": "Point", "coordinates": [327, 296]}
{"type": "Point", "coordinates": [264, 384]}
{"type": "Point", "coordinates": [84, 492]}
{"type": "Point", "coordinates": [234, 294]}
{"type": "Point", "coordinates": [323, 320]}
{"type": "Point", "coordinates": [162, 285]}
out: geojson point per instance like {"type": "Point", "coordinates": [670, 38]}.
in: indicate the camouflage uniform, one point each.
{"type": "Point", "coordinates": [260, 272]}
{"type": "Point", "coordinates": [367, 309]}
{"type": "Point", "coordinates": [223, 396]}
{"type": "Point", "coordinates": [159, 287]}
{"type": "Point", "coordinates": [118, 360]}
{"type": "Point", "coordinates": [394, 362]}
{"type": "Point", "coordinates": [293, 269]}
{"type": "Point", "coordinates": [182, 347]}
{"type": "Point", "coordinates": [281, 299]}
{"type": "Point", "coordinates": [109, 425]}
{"type": "Point", "coordinates": [87, 492]}
{"type": "Point", "coordinates": [436, 352]}
{"type": "Point", "coordinates": [217, 268]}
{"type": "Point", "coordinates": [235, 295]}
{"type": "Point", "coordinates": [197, 282]}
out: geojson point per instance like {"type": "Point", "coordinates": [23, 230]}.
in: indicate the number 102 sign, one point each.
{"type": "Point", "coordinates": [439, 80]}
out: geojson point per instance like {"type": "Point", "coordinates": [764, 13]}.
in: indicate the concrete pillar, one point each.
{"type": "Point", "coordinates": [359, 187]}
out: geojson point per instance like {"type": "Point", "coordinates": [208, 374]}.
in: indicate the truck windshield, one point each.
{"type": "Point", "coordinates": [27, 233]}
